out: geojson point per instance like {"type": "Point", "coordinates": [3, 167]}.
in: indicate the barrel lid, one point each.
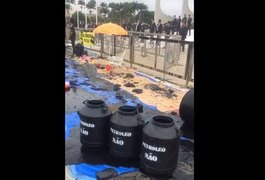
{"type": "Point", "coordinates": [162, 121]}
{"type": "Point", "coordinates": [94, 108]}
{"type": "Point", "coordinates": [128, 110]}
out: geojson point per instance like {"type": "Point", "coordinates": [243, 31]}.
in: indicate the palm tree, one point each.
{"type": "Point", "coordinates": [91, 4]}
{"type": "Point", "coordinates": [104, 9]}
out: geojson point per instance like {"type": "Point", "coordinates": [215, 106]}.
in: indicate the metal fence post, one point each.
{"type": "Point", "coordinates": [102, 45]}
{"type": "Point", "coordinates": [189, 64]}
{"type": "Point", "coordinates": [165, 60]}
{"type": "Point", "coordinates": [156, 44]}
{"type": "Point", "coordinates": [131, 40]}
{"type": "Point", "coordinates": [114, 45]}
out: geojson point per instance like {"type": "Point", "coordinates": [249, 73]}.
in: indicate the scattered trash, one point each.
{"type": "Point", "coordinates": [100, 66]}
{"type": "Point", "coordinates": [154, 87]}
{"type": "Point", "coordinates": [119, 96]}
{"type": "Point", "coordinates": [174, 113]}
{"type": "Point", "coordinates": [108, 67]}
{"type": "Point", "coordinates": [168, 95]}
{"type": "Point", "coordinates": [171, 91]}
{"type": "Point", "coordinates": [106, 173]}
{"type": "Point", "coordinates": [129, 84]}
{"type": "Point", "coordinates": [129, 75]}
{"type": "Point", "coordinates": [137, 91]}
{"type": "Point", "coordinates": [116, 87]}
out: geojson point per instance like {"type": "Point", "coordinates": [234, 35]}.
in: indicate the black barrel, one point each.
{"type": "Point", "coordinates": [160, 147]}
{"type": "Point", "coordinates": [94, 124]}
{"type": "Point", "coordinates": [126, 127]}
{"type": "Point", "coordinates": [186, 112]}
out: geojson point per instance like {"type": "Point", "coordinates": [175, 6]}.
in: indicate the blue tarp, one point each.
{"type": "Point", "coordinates": [86, 171]}
{"type": "Point", "coordinates": [147, 76]}
{"type": "Point", "coordinates": [110, 96]}
{"type": "Point", "coordinates": [71, 121]}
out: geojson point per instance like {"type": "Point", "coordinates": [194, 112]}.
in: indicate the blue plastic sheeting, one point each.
{"type": "Point", "coordinates": [71, 120]}
{"type": "Point", "coordinates": [86, 171]}
{"type": "Point", "coordinates": [186, 139]}
{"type": "Point", "coordinates": [70, 72]}
{"type": "Point", "coordinates": [110, 96]}
{"type": "Point", "coordinates": [137, 101]}
{"type": "Point", "coordinates": [78, 176]}
{"type": "Point", "coordinates": [147, 76]}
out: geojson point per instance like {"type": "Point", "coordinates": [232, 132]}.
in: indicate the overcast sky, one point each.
{"type": "Point", "coordinates": [169, 7]}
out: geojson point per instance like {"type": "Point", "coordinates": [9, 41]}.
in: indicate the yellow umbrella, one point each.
{"type": "Point", "coordinates": [110, 29]}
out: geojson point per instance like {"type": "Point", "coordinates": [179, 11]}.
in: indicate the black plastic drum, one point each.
{"type": "Point", "coordinates": [94, 124]}
{"type": "Point", "coordinates": [186, 112]}
{"type": "Point", "coordinates": [126, 127]}
{"type": "Point", "coordinates": [160, 147]}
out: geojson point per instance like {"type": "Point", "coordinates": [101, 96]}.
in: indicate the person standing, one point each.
{"type": "Point", "coordinates": [167, 29]}
{"type": "Point", "coordinates": [153, 27]}
{"type": "Point", "coordinates": [138, 26]}
{"type": "Point", "coordinates": [184, 19]}
{"type": "Point", "coordinates": [174, 25]}
{"type": "Point", "coordinates": [183, 33]}
{"type": "Point", "coordinates": [159, 30]}
{"type": "Point", "coordinates": [159, 27]}
{"type": "Point", "coordinates": [189, 24]}
{"type": "Point", "coordinates": [178, 24]}
{"type": "Point", "coordinates": [72, 35]}
{"type": "Point", "coordinates": [152, 30]}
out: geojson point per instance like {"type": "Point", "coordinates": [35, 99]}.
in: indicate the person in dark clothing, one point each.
{"type": "Point", "coordinates": [143, 27]}
{"type": "Point", "coordinates": [153, 27]}
{"type": "Point", "coordinates": [128, 26]}
{"type": "Point", "coordinates": [138, 26]}
{"type": "Point", "coordinates": [152, 30]}
{"type": "Point", "coordinates": [72, 34]}
{"type": "Point", "coordinates": [159, 30]}
{"type": "Point", "coordinates": [167, 29]}
{"type": "Point", "coordinates": [183, 33]}
{"type": "Point", "coordinates": [178, 24]}
{"type": "Point", "coordinates": [159, 27]}
{"type": "Point", "coordinates": [189, 24]}
{"type": "Point", "coordinates": [184, 19]}
{"type": "Point", "coordinates": [174, 25]}
{"type": "Point", "coordinates": [142, 30]}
